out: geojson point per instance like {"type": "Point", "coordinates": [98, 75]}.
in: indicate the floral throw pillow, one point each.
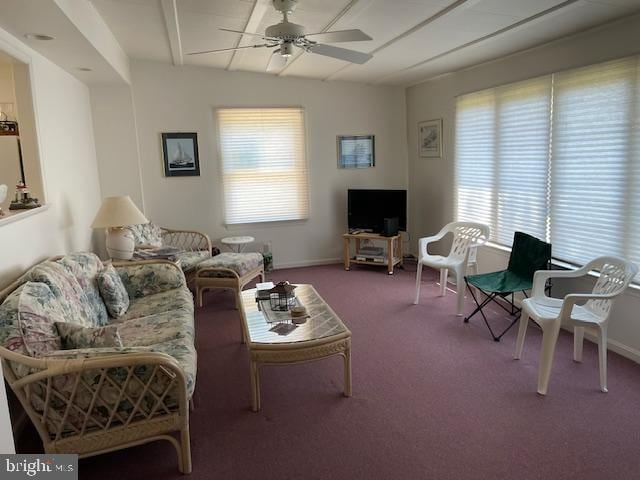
{"type": "Point", "coordinates": [113, 292]}
{"type": "Point", "coordinates": [75, 336]}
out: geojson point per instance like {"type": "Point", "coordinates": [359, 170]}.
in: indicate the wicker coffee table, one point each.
{"type": "Point", "coordinates": [323, 335]}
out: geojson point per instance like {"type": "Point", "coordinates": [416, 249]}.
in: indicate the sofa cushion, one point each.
{"type": "Point", "coordinates": [114, 294]}
{"type": "Point", "coordinates": [76, 336]}
{"type": "Point", "coordinates": [150, 278]}
{"type": "Point", "coordinates": [146, 234]}
{"type": "Point", "coordinates": [184, 351]}
{"type": "Point", "coordinates": [157, 328]}
{"type": "Point", "coordinates": [189, 260]}
{"type": "Point", "coordinates": [241, 263]}
{"type": "Point", "coordinates": [10, 333]}
{"type": "Point", "coordinates": [85, 267]}
{"type": "Point", "coordinates": [181, 349]}
{"type": "Point", "coordinates": [38, 311]}
{"type": "Point", "coordinates": [176, 299]}
{"type": "Point", "coordinates": [66, 288]}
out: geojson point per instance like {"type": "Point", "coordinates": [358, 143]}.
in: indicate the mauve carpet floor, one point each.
{"type": "Point", "coordinates": [433, 398]}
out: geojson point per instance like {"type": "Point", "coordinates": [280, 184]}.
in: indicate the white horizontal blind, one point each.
{"type": "Point", "coordinates": [264, 166]}
{"type": "Point", "coordinates": [595, 162]}
{"type": "Point", "coordinates": [475, 158]}
{"type": "Point", "coordinates": [502, 158]}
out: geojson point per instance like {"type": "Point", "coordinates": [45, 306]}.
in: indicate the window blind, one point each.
{"type": "Point", "coordinates": [502, 158]}
{"type": "Point", "coordinates": [264, 166]}
{"type": "Point", "coordinates": [557, 157]}
{"type": "Point", "coordinates": [594, 174]}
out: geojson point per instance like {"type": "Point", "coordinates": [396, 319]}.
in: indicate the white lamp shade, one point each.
{"type": "Point", "coordinates": [118, 212]}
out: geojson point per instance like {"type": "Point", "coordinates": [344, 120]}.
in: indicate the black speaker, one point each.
{"type": "Point", "coordinates": [390, 227]}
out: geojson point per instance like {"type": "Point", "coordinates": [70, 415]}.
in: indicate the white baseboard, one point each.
{"type": "Point", "coordinates": [306, 263]}
{"type": "Point", "coordinates": [613, 345]}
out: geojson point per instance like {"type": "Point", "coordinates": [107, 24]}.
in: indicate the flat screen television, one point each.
{"type": "Point", "coordinates": [367, 209]}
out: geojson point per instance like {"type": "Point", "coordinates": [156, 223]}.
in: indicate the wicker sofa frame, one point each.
{"type": "Point", "coordinates": [163, 421]}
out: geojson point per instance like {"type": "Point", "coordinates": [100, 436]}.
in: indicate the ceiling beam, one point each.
{"type": "Point", "coordinates": [513, 26]}
{"type": "Point", "coordinates": [260, 8]}
{"type": "Point", "coordinates": [338, 17]}
{"type": "Point", "coordinates": [170, 12]}
{"type": "Point", "coordinates": [415, 28]}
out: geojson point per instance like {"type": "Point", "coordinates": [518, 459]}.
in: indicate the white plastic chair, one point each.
{"type": "Point", "coordinates": [466, 235]}
{"type": "Point", "coordinates": [550, 313]}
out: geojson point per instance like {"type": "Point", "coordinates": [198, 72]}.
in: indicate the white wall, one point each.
{"type": "Point", "coordinates": [68, 158]}
{"type": "Point", "coordinates": [7, 93]}
{"type": "Point", "coordinates": [168, 99]}
{"type": "Point", "coordinates": [116, 138]}
{"type": "Point", "coordinates": [431, 181]}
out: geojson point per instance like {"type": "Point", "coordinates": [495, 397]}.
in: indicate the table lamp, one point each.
{"type": "Point", "coordinates": [114, 214]}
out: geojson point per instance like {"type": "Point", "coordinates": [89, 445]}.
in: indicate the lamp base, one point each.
{"type": "Point", "coordinates": [120, 245]}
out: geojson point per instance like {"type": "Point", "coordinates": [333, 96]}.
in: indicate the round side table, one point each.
{"type": "Point", "coordinates": [237, 244]}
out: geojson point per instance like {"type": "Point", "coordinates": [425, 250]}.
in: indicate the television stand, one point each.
{"type": "Point", "coordinates": [393, 252]}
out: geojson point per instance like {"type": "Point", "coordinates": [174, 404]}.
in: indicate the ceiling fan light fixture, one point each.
{"type": "Point", "coordinates": [286, 49]}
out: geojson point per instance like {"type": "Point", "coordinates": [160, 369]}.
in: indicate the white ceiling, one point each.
{"type": "Point", "coordinates": [412, 39]}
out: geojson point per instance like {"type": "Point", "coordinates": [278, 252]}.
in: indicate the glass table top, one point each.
{"type": "Point", "coordinates": [321, 323]}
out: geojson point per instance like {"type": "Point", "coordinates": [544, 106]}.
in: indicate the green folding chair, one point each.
{"type": "Point", "coordinates": [528, 255]}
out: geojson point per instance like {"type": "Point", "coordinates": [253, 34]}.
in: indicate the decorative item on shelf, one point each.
{"type": "Point", "coordinates": [3, 195]}
{"type": "Point", "coordinates": [430, 138]}
{"type": "Point", "coordinates": [23, 199]}
{"type": "Point", "coordinates": [180, 153]}
{"type": "Point", "coordinates": [7, 127]}
{"type": "Point", "coordinates": [114, 214]}
{"type": "Point", "coordinates": [281, 297]}
{"type": "Point", "coordinates": [356, 151]}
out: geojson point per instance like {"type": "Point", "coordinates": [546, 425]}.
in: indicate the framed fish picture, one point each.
{"type": "Point", "coordinates": [180, 153]}
{"type": "Point", "coordinates": [430, 138]}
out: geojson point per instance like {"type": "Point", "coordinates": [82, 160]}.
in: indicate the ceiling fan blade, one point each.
{"type": "Point", "coordinates": [227, 49]}
{"type": "Point", "coordinates": [277, 61]}
{"type": "Point", "coordinates": [339, 36]}
{"type": "Point", "coordinates": [247, 33]}
{"type": "Point", "coordinates": [340, 53]}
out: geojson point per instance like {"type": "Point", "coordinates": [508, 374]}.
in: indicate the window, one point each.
{"type": "Point", "coordinates": [264, 166]}
{"type": "Point", "coordinates": [502, 148]}
{"type": "Point", "coordinates": [557, 157]}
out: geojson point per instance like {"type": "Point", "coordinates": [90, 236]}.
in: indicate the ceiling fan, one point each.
{"type": "Point", "coordinates": [285, 35]}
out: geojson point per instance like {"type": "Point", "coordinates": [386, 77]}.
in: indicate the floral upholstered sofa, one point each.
{"type": "Point", "coordinates": [94, 400]}
{"type": "Point", "coordinates": [195, 246]}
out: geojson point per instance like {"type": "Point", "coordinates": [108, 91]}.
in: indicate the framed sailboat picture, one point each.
{"type": "Point", "coordinates": [180, 153]}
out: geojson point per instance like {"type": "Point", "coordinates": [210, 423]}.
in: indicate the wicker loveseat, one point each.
{"type": "Point", "coordinates": [195, 246]}
{"type": "Point", "coordinates": [95, 400]}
